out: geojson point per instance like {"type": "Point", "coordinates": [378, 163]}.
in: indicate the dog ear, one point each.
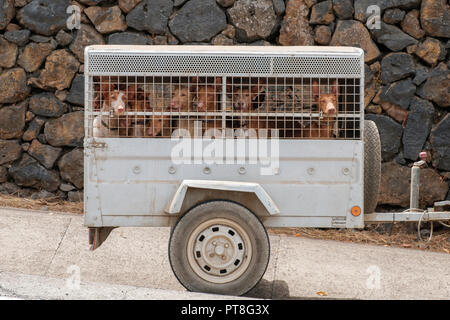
{"type": "Point", "coordinates": [315, 90]}
{"type": "Point", "coordinates": [335, 88]}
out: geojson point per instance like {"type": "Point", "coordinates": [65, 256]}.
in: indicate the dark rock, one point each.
{"type": "Point", "coordinates": [66, 187]}
{"type": "Point", "coordinates": [390, 135]}
{"type": "Point", "coordinates": [343, 9]}
{"type": "Point", "coordinates": [9, 188]}
{"type": "Point", "coordinates": [400, 159]}
{"type": "Point", "coordinates": [209, 20]}
{"type": "Point", "coordinates": [12, 121]}
{"type": "Point", "coordinates": [128, 5]}
{"type": "Point", "coordinates": [25, 146]}
{"type": "Point", "coordinates": [439, 138]}
{"type": "Point", "coordinates": [309, 3]}
{"type": "Point", "coordinates": [3, 174]}
{"type": "Point", "coordinates": [295, 29]}
{"type": "Point", "coordinates": [397, 66]}
{"type": "Point", "coordinates": [92, 2]}
{"type": "Point", "coordinates": [19, 37]}
{"type": "Point", "coordinates": [75, 196]}
{"type": "Point", "coordinates": [371, 81]}
{"type": "Point", "coordinates": [41, 39]}
{"type": "Point", "coordinates": [33, 130]}
{"type": "Point", "coordinates": [222, 3]}
{"type": "Point", "coordinates": [436, 88]}
{"type": "Point", "coordinates": [421, 74]}
{"type": "Point", "coordinates": [361, 6]}
{"type": "Point", "coordinates": [132, 38]}
{"type": "Point", "coordinates": [7, 12]}
{"type": "Point", "coordinates": [42, 139]}
{"type": "Point", "coordinates": [418, 126]}
{"type": "Point", "coordinates": [229, 31]}
{"type": "Point", "coordinates": [86, 36]}
{"type": "Point", "coordinates": [435, 18]}
{"type": "Point", "coordinates": [278, 6]}
{"type": "Point", "coordinates": [392, 37]}
{"type": "Point", "coordinates": [42, 194]}
{"type": "Point", "coordinates": [12, 27]}
{"type": "Point", "coordinates": [395, 185]}
{"type": "Point", "coordinates": [411, 25]}
{"type": "Point", "coordinates": [152, 16]}
{"type": "Point", "coordinates": [29, 116]}
{"type": "Point", "coordinates": [10, 150]}
{"type": "Point", "coordinates": [47, 105]}
{"type": "Point", "coordinates": [63, 38]}
{"type": "Point", "coordinates": [76, 93]}
{"type": "Point", "coordinates": [322, 13]}
{"type": "Point", "coordinates": [411, 49]}
{"type": "Point", "coordinates": [67, 130]}
{"type": "Point", "coordinates": [430, 51]}
{"type": "Point", "coordinates": [60, 69]}
{"type": "Point", "coordinates": [399, 93]}
{"type": "Point", "coordinates": [44, 153]}
{"type": "Point", "coordinates": [253, 20]}
{"type": "Point", "coordinates": [8, 53]}
{"type": "Point", "coordinates": [322, 35]}
{"type": "Point", "coordinates": [44, 17]}
{"type": "Point", "coordinates": [374, 108]}
{"type": "Point", "coordinates": [34, 55]}
{"type": "Point", "coordinates": [221, 40]}
{"type": "Point", "coordinates": [352, 33]}
{"type": "Point", "coordinates": [393, 16]}
{"type": "Point", "coordinates": [71, 167]}
{"type": "Point", "coordinates": [27, 172]}
{"type": "Point", "coordinates": [106, 19]}
{"type": "Point", "coordinates": [13, 85]}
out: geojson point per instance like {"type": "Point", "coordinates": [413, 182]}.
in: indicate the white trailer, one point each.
{"type": "Point", "coordinates": [218, 194]}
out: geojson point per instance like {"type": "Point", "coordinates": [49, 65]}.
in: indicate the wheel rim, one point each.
{"type": "Point", "coordinates": [219, 250]}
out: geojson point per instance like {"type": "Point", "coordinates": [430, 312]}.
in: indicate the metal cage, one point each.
{"type": "Point", "coordinates": [223, 92]}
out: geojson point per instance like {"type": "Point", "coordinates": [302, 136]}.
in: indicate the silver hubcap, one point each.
{"type": "Point", "coordinates": [219, 250]}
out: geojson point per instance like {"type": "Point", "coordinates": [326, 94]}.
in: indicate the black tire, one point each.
{"type": "Point", "coordinates": [372, 165]}
{"type": "Point", "coordinates": [196, 232]}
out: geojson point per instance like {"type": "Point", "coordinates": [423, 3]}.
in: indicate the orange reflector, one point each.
{"type": "Point", "coordinates": [356, 211]}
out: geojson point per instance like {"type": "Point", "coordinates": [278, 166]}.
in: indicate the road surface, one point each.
{"type": "Point", "coordinates": [45, 255]}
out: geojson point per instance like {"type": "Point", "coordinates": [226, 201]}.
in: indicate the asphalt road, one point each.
{"type": "Point", "coordinates": [43, 255]}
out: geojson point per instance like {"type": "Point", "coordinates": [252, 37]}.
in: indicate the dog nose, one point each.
{"type": "Point", "coordinates": [120, 109]}
{"type": "Point", "coordinates": [331, 110]}
{"type": "Point", "coordinates": [201, 106]}
{"type": "Point", "coordinates": [172, 104]}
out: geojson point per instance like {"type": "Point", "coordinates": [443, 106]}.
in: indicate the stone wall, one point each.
{"type": "Point", "coordinates": [41, 75]}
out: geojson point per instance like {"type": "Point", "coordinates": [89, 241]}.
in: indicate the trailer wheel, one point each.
{"type": "Point", "coordinates": [372, 165]}
{"type": "Point", "coordinates": [219, 247]}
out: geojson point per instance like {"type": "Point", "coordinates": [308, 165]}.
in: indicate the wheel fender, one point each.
{"type": "Point", "coordinates": [174, 206]}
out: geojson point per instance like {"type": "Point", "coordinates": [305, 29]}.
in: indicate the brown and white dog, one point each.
{"type": "Point", "coordinates": [115, 103]}
{"type": "Point", "coordinates": [327, 104]}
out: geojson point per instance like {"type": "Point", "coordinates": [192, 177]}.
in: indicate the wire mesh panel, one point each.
{"type": "Point", "coordinates": [288, 97]}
